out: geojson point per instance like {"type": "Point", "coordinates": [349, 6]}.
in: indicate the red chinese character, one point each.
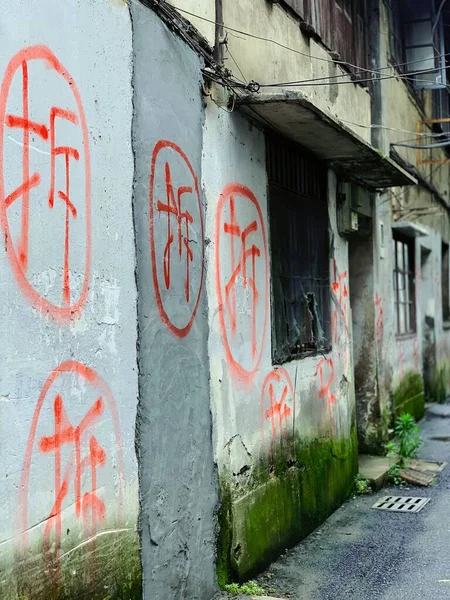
{"type": "Point", "coordinates": [73, 456]}
{"type": "Point", "coordinates": [244, 255]}
{"type": "Point", "coordinates": [66, 433]}
{"type": "Point", "coordinates": [339, 287]}
{"type": "Point", "coordinates": [241, 279]}
{"type": "Point", "coordinates": [26, 66]}
{"type": "Point", "coordinates": [173, 207]}
{"type": "Point", "coordinates": [278, 412]}
{"type": "Point", "coordinates": [184, 226]}
{"type": "Point", "coordinates": [325, 371]}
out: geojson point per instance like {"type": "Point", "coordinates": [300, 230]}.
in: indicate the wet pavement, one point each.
{"type": "Point", "coordinates": [364, 554]}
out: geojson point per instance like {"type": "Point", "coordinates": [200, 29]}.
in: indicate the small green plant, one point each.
{"type": "Point", "coordinates": [362, 486]}
{"type": "Point", "coordinates": [391, 449]}
{"type": "Point", "coordinates": [251, 588]}
{"type": "Point", "coordinates": [408, 440]}
{"type": "Point", "coordinates": [407, 433]}
{"type": "Point", "coordinates": [394, 477]}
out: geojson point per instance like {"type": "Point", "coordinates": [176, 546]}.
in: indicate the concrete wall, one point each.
{"type": "Point", "coordinates": [285, 54]}
{"type": "Point", "coordinates": [178, 491]}
{"type": "Point", "coordinates": [425, 352]}
{"type": "Point", "coordinates": [278, 480]}
{"type": "Point", "coordinates": [68, 386]}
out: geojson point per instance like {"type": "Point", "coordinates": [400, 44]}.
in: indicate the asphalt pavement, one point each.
{"type": "Point", "coordinates": [364, 554]}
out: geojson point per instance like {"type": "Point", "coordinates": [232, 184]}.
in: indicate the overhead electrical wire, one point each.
{"type": "Point", "coordinates": [319, 58]}
{"type": "Point", "coordinates": [224, 79]}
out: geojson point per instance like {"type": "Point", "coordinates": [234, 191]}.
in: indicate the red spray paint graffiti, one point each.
{"type": "Point", "coordinates": [23, 202]}
{"type": "Point", "coordinates": [339, 324]}
{"type": "Point", "coordinates": [175, 198]}
{"type": "Point", "coordinates": [379, 327]}
{"type": "Point", "coordinates": [72, 453]}
{"type": "Point", "coordinates": [242, 278]}
{"type": "Point", "coordinates": [277, 397]}
{"type": "Point", "coordinates": [324, 379]}
{"type": "Point", "coordinates": [416, 354]}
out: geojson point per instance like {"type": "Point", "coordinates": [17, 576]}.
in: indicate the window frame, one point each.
{"type": "Point", "coordinates": [405, 271]}
{"type": "Point", "coordinates": [301, 323]}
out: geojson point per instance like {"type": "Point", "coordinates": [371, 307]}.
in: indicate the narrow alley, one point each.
{"type": "Point", "coordinates": [367, 554]}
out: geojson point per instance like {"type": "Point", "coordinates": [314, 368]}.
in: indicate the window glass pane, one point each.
{"type": "Point", "coordinates": [408, 283]}
{"type": "Point", "coordinates": [400, 265]}
{"type": "Point", "coordinates": [402, 323]}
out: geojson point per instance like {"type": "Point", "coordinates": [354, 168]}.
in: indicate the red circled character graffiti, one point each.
{"type": "Point", "coordinates": [76, 448]}
{"type": "Point", "coordinates": [340, 332]}
{"type": "Point", "coordinates": [277, 396]}
{"type": "Point", "coordinates": [325, 374]}
{"type": "Point", "coordinates": [180, 207]}
{"type": "Point", "coordinates": [242, 278]}
{"type": "Point", "coordinates": [27, 206]}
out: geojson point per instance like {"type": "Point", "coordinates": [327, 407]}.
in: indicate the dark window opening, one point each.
{"type": "Point", "coordinates": [397, 37]}
{"type": "Point", "coordinates": [404, 285]}
{"type": "Point", "coordinates": [445, 265]}
{"type": "Point", "coordinates": [298, 215]}
{"type": "Point", "coordinates": [342, 26]}
{"type": "Point", "coordinates": [418, 42]}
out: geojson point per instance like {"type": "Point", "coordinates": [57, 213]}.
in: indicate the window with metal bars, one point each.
{"type": "Point", "coordinates": [404, 285]}
{"type": "Point", "coordinates": [299, 237]}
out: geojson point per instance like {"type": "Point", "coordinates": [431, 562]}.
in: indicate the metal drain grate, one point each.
{"type": "Point", "coordinates": [401, 504]}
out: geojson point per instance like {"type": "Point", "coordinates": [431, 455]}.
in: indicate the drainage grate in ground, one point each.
{"type": "Point", "coordinates": [401, 504]}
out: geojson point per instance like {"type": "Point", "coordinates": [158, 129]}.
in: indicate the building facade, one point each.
{"type": "Point", "coordinates": [237, 277]}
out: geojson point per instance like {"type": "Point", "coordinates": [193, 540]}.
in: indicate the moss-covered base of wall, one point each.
{"type": "Point", "coordinates": [373, 434]}
{"type": "Point", "coordinates": [439, 386]}
{"type": "Point", "coordinates": [291, 493]}
{"type": "Point", "coordinates": [409, 396]}
{"type": "Point", "coordinates": [108, 568]}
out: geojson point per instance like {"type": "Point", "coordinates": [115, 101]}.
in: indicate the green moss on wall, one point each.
{"type": "Point", "coordinates": [409, 396]}
{"type": "Point", "coordinates": [439, 387]}
{"type": "Point", "coordinates": [109, 569]}
{"type": "Point", "coordinates": [291, 493]}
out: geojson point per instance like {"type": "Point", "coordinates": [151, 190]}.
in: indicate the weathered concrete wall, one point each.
{"type": "Point", "coordinates": [279, 478]}
{"type": "Point", "coordinates": [406, 362]}
{"type": "Point", "coordinates": [283, 54]}
{"type": "Point", "coordinates": [364, 309]}
{"type": "Point", "coordinates": [178, 491]}
{"type": "Point", "coordinates": [68, 386]}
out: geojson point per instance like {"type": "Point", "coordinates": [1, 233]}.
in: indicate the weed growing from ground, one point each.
{"type": "Point", "coordinates": [407, 439]}
{"type": "Point", "coordinates": [362, 486]}
{"type": "Point", "coordinates": [251, 588]}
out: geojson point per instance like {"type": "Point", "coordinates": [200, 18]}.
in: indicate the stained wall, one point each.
{"type": "Point", "coordinates": [178, 480]}
{"type": "Point", "coordinates": [68, 385]}
{"type": "Point", "coordinates": [277, 430]}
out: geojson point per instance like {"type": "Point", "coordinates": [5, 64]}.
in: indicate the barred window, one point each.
{"type": "Point", "coordinates": [298, 215]}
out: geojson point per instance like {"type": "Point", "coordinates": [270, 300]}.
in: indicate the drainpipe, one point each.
{"type": "Point", "coordinates": [218, 36]}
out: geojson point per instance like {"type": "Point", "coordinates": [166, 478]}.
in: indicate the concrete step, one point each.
{"type": "Point", "coordinates": [375, 469]}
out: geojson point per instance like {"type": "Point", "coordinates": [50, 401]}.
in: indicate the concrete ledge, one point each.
{"type": "Point", "coordinates": [375, 469]}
